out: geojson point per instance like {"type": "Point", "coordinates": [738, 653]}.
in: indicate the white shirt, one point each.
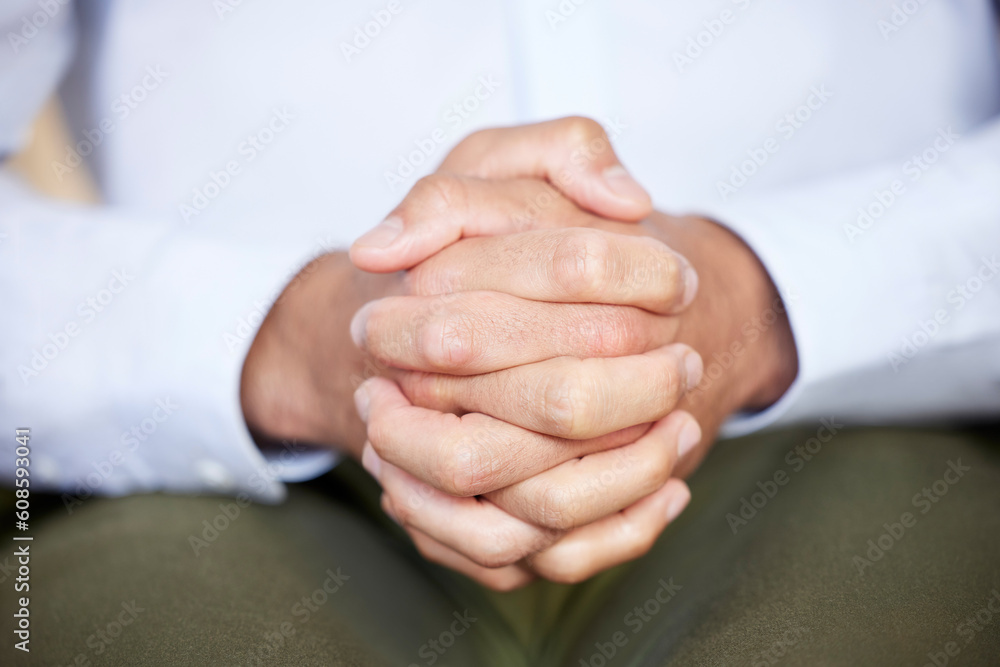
{"type": "Point", "coordinates": [854, 144]}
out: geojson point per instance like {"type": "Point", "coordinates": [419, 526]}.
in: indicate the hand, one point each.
{"type": "Point", "coordinates": [572, 154]}
{"type": "Point", "coordinates": [301, 370]}
{"type": "Point", "coordinates": [446, 202]}
{"type": "Point", "coordinates": [470, 534]}
{"type": "Point", "coordinates": [768, 333]}
{"type": "Point", "coordinates": [534, 381]}
{"type": "Point", "coordinates": [298, 370]}
{"type": "Point", "coordinates": [475, 537]}
{"type": "Point", "coordinates": [738, 324]}
{"type": "Point", "coordinates": [740, 320]}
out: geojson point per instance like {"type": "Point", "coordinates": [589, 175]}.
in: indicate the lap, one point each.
{"type": "Point", "coordinates": [875, 547]}
{"type": "Point", "coordinates": [167, 580]}
{"type": "Point", "coordinates": [804, 558]}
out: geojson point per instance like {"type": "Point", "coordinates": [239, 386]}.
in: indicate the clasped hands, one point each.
{"type": "Point", "coordinates": [542, 358]}
{"type": "Point", "coordinates": [530, 425]}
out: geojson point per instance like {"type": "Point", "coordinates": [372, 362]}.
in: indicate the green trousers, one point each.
{"type": "Point", "coordinates": [815, 546]}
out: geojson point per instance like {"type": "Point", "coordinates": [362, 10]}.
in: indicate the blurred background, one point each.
{"type": "Point", "coordinates": [49, 137]}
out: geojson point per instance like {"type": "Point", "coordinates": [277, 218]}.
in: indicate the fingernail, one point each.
{"type": "Point", "coordinates": [693, 368]}
{"type": "Point", "coordinates": [383, 235]}
{"type": "Point", "coordinates": [689, 436]}
{"type": "Point", "coordinates": [677, 505]}
{"type": "Point", "coordinates": [361, 402]}
{"type": "Point", "coordinates": [622, 184]}
{"type": "Point", "coordinates": [370, 461]}
{"type": "Point", "coordinates": [690, 285]}
{"type": "Point", "coordinates": [359, 324]}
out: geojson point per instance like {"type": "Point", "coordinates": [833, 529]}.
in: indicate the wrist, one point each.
{"type": "Point", "coordinates": [737, 322]}
{"type": "Point", "coordinates": [301, 371]}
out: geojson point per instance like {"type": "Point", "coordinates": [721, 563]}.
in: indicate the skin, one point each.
{"type": "Point", "coordinates": [527, 498]}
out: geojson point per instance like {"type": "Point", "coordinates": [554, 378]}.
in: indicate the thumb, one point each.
{"type": "Point", "coordinates": [574, 154]}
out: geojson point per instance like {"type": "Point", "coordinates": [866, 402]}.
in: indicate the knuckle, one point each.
{"type": "Point", "coordinates": [496, 548]}
{"type": "Point", "coordinates": [439, 193]}
{"type": "Point", "coordinates": [468, 470]}
{"type": "Point", "coordinates": [474, 143]}
{"type": "Point", "coordinates": [426, 550]}
{"type": "Point", "coordinates": [558, 507]}
{"type": "Point", "coordinates": [667, 380]}
{"type": "Point", "coordinates": [418, 281]}
{"type": "Point", "coordinates": [579, 263]}
{"type": "Point", "coordinates": [664, 277]}
{"type": "Point", "coordinates": [561, 405]}
{"type": "Point", "coordinates": [412, 501]}
{"type": "Point", "coordinates": [579, 131]}
{"type": "Point", "coordinates": [436, 276]}
{"type": "Point", "coordinates": [422, 389]}
{"type": "Point", "coordinates": [379, 432]}
{"type": "Point", "coordinates": [404, 509]}
{"type": "Point", "coordinates": [657, 273]}
{"type": "Point", "coordinates": [474, 156]}
{"type": "Point", "coordinates": [448, 341]}
{"type": "Point", "coordinates": [376, 333]}
{"type": "Point", "coordinates": [433, 278]}
{"type": "Point", "coordinates": [615, 331]}
{"type": "Point", "coordinates": [389, 337]}
{"type": "Point", "coordinates": [653, 471]}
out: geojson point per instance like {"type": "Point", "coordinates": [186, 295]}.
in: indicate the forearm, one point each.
{"type": "Point", "coordinates": [138, 329]}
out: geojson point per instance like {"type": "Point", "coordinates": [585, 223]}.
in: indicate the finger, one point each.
{"type": "Point", "coordinates": [573, 153]}
{"type": "Point", "coordinates": [584, 490]}
{"type": "Point", "coordinates": [468, 455]}
{"type": "Point", "coordinates": [689, 461]}
{"type": "Point", "coordinates": [507, 578]}
{"type": "Point", "coordinates": [568, 397]}
{"type": "Point", "coordinates": [573, 265]}
{"type": "Point", "coordinates": [479, 332]}
{"type": "Point", "coordinates": [613, 540]}
{"type": "Point", "coordinates": [474, 527]}
{"type": "Point", "coordinates": [443, 208]}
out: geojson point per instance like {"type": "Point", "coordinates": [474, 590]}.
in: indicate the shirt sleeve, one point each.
{"type": "Point", "coordinates": [125, 334]}
{"type": "Point", "coordinates": [890, 279]}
